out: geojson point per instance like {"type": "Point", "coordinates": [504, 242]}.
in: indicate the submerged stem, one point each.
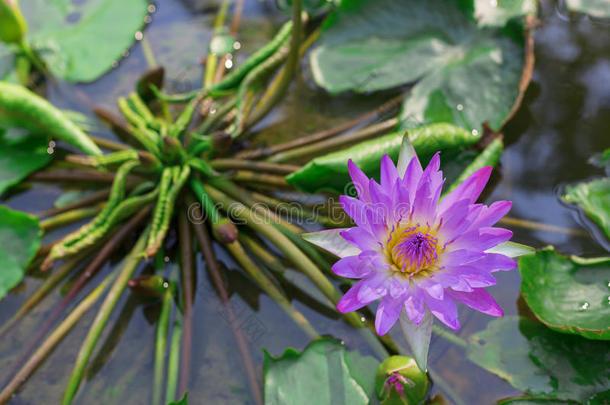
{"type": "Point", "coordinates": [160, 345]}
{"type": "Point", "coordinates": [53, 340]}
{"type": "Point", "coordinates": [186, 261]}
{"type": "Point", "coordinates": [69, 217]}
{"type": "Point", "coordinates": [205, 244]}
{"type": "Point", "coordinates": [129, 266]}
{"type": "Point", "coordinates": [173, 363]}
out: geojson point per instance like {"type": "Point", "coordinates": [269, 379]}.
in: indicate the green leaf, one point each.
{"type": "Point", "coordinates": [594, 198]}
{"type": "Point", "coordinates": [323, 374]}
{"type": "Point", "coordinates": [329, 172]}
{"type": "Point", "coordinates": [19, 241]}
{"type": "Point", "coordinates": [541, 362]}
{"type": "Point", "coordinates": [596, 8]}
{"type": "Point", "coordinates": [19, 157]}
{"type": "Point", "coordinates": [569, 295]}
{"type": "Point", "coordinates": [79, 41]}
{"type": "Point", "coordinates": [464, 74]}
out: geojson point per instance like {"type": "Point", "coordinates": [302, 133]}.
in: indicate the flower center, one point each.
{"type": "Point", "coordinates": [412, 250]}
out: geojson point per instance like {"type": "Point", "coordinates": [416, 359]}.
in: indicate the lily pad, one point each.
{"type": "Point", "coordinates": [541, 362]}
{"type": "Point", "coordinates": [20, 156]}
{"type": "Point", "coordinates": [569, 295]}
{"type": "Point", "coordinates": [596, 8]}
{"type": "Point", "coordinates": [594, 198]}
{"type": "Point", "coordinates": [463, 74]}
{"type": "Point", "coordinates": [19, 241]}
{"type": "Point", "coordinates": [79, 41]}
{"type": "Point", "coordinates": [325, 373]}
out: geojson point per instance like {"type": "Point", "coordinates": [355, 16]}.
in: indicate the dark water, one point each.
{"type": "Point", "coordinates": [563, 121]}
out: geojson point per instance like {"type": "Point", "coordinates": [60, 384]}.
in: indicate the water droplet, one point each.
{"type": "Point", "coordinates": [165, 284]}
{"type": "Point", "coordinates": [228, 63]}
{"type": "Point", "coordinates": [583, 306]}
{"type": "Point", "coordinates": [608, 284]}
{"type": "Point", "coordinates": [139, 35]}
{"type": "Point", "coordinates": [147, 19]}
{"type": "Point", "coordinates": [152, 8]}
{"type": "Point", "coordinates": [212, 111]}
{"type": "Point", "coordinates": [166, 259]}
{"type": "Point", "coordinates": [363, 319]}
{"type": "Point", "coordinates": [236, 45]}
{"type": "Point", "coordinates": [460, 107]}
{"type": "Point", "coordinates": [50, 151]}
{"type": "Point", "coordinates": [475, 132]}
{"type": "Point", "coordinates": [52, 144]}
{"type": "Point", "coordinates": [115, 64]}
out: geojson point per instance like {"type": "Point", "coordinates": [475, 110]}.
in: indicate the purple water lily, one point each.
{"type": "Point", "coordinates": [415, 253]}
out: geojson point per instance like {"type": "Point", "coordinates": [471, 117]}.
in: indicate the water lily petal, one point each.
{"type": "Point", "coordinates": [388, 312]}
{"type": "Point", "coordinates": [350, 301]}
{"type": "Point", "coordinates": [389, 174]}
{"type": "Point", "coordinates": [478, 299]}
{"type": "Point", "coordinates": [445, 310]}
{"type": "Point", "coordinates": [351, 267]}
{"type": "Point", "coordinates": [470, 189]}
{"type": "Point", "coordinates": [360, 181]}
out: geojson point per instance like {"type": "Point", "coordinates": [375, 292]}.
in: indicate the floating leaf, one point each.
{"type": "Point", "coordinates": [329, 172]}
{"type": "Point", "coordinates": [19, 241]}
{"type": "Point", "coordinates": [594, 198]}
{"type": "Point", "coordinates": [596, 8]}
{"type": "Point", "coordinates": [323, 374]}
{"type": "Point", "coordinates": [541, 362]}
{"type": "Point", "coordinates": [79, 41]}
{"type": "Point", "coordinates": [19, 157]}
{"type": "Point", "coordinates": [569, 295]}
{"type": "Point", "coordinates": [602, 160]}
{"type": "Point", "coordinates": [465, 75]}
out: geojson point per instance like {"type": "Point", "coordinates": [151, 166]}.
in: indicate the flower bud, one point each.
{"type": "Point", "coordinates": [400, 382]}
{"type": "Point", "coordinates": [12, 25]}
{"type": "Point", "coordinates": [152, 76]}
{"type": "Point", "coordinates": [148, 285]}
{"type": "Point", "coordinates": [225, 231]}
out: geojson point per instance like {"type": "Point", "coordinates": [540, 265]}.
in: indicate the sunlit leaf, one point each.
{"type": "Point", "coordinates": [19, 241]}
{"type": "Point", "coordinates": [569, 295]}
{"type": "Point", "coordinates": [463, 74]}
{"type": "Point", "coordinates": [418, 337]}
{"type": "Point", "coordinates": [80, 40]}
{"type": "Point", "coordinates": [324, 373]}
{"type": "Point", "coordinates": [332, 241]}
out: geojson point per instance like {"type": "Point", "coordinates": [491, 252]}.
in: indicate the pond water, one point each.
{"type": "Point", "coordinates": [562, 121]}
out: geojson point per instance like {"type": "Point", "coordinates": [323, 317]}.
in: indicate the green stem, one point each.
{"type": "Point", "coordinates": [33, 57]}
{"type": "Point", "coordinates": [261, 253]}
{"type": "Point", "coordinates": [456, 340]}
{"type": "Point", "coordinates": [212, 59]}
{"type": "Point", "coordinates": [130, 265]}
{"type": "Point", "coordinates": [53, 340]}
{"type": "Point", "coordinates": [185, 238]}
{"type": "Point", "coordinates": [69, 217]}
{"type": "Point", "coordinates": [49, 283]}
{"type": "Point", "coordinates": [160, 345]}
{"type": "Point", "coordinates": [148, 53]}
{"type": "Point", "coordinates": [238, 252]}
{"type": "Point", "coordinates": [212, 119]}
{"type": "Point", "coordinates": [269, 100]}
{"type": "Point", "coordinates": [328, 145]}
{"type": "Point", "coordinates": [173, 366]}
{"type": "Point", "coordinates": [241, 164]}
{"type": "Point", "coordinates": [299, 259]}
